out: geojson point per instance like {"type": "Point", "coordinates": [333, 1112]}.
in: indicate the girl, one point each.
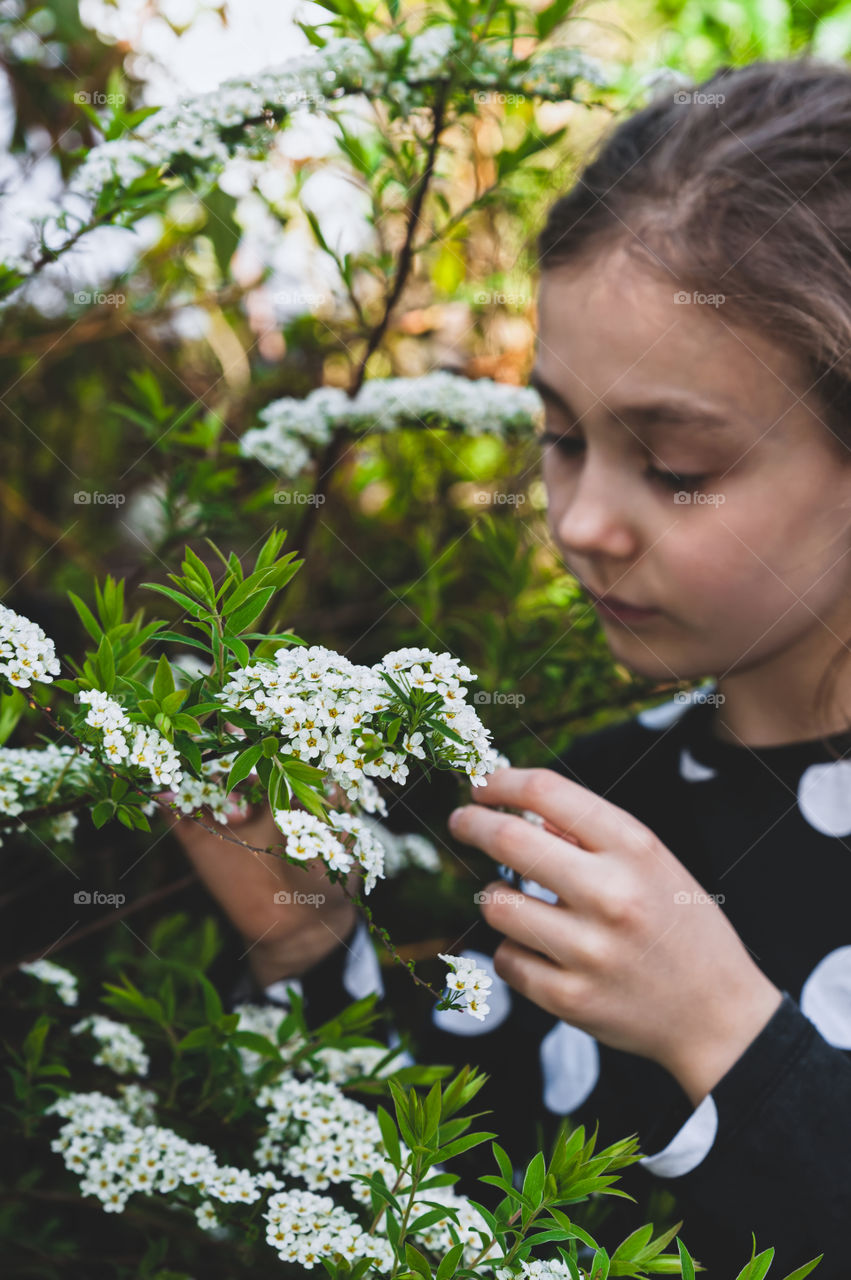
{"type": "Point", "coordinates": [677, 961]}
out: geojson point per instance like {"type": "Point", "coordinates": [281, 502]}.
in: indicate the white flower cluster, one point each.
{"type": "Point", "coordinates": [319, 1134]}
{"type": "Point", "coordinates": [193, 793]}
{"type": "Point", "coordinates": [26, 653]}
{"type": "Point", "coordinates": [552, 1269]}
{"type": "Point", "coordinates": [473, 983]}
{"type": "Point", "coordinates": [46, 971]}
{"type": "Point", "coordinates": [148, 748]}
{"type": "Point", "coordinates": [293, 427]}
{"type": "Point", "coordinates": [321, 704]}
{"type": "Point", "coordinates": [121, 1049]}
{"type": "Point", "coordinates": [29, 774]}
{"type": "Point", "coordinates": [207, 130]}
{"type": "Point", "coordinates": [117, 1156]}
{"type": "Point", "coordinates": [305, 1228]}
{"type": "Point", "coordinates": [311, 837]}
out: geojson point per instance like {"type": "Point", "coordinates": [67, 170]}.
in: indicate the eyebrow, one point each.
{"type": "Point", "coordinates": [668, 413]}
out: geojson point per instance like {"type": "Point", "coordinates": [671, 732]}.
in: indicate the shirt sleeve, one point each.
{"type": "Point", "coordinates": [767, 1151]}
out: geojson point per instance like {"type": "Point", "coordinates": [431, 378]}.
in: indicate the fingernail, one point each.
{"type": "Point", "coordinates": [454, 818]}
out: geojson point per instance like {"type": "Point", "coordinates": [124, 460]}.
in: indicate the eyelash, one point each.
{"type": "Point", "coordinates": [675, 480]}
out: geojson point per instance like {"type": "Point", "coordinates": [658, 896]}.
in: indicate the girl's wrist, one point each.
{"type": "Point", "coordinates": [699, 1062]}
{"type": "Point", "coordinates": [292, 955]}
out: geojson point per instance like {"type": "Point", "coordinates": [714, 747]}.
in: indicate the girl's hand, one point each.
{"type": "Point", "coordinates": [633, 952]}
{"type": "Point", "coordinates": [290, 916]}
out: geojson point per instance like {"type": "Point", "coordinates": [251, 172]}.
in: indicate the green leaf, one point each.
{"type": "Point", "coordinates": [244, 616]}
{"type": "Point", "coordinates": [163, 683]}
{"type": "Point", "coordinates": [102, 812]}
{"type": "Point", "coordinates": [501, 1157]}
{"type": "Point", "coordinates": [547, 19]}
{"type": "Point", "coordinates": [106, 664]}
{"type": "Point", "coordinates": [87, 617]}
{"type": "Point", "coordinates": [686, 1262]}
{"type": "Point", "coordinates": [212, 1004]}
{"type": "Point", "coordinates": [390, 1135]}
{"type": "Point", "coordinates": [34, 1042]}
{"type": "Point", "coordinates": [185, 602]}
{"type": "Point", "coordinates": [243, 764]}
{"type": "Point", "coordinates": [462, 1144]}
{"type": "Point", "coordinates": [238, 648]}
{"type": "Point", "coordinates": [533, 1183]}
{"type": "Point", "coordinates": [415, 1259]}
{"type": "Point", "coordinates": [804, 1270]}
{"type": "Point", "coordinates": [449, 1263]}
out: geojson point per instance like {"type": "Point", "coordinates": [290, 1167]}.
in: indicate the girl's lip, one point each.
{"type": "Point", "coordinates": [619, 609]}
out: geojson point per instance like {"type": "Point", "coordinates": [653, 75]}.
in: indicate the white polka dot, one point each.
{"type": "Point", "coordinates": [461, 1023]}
{"type": "Point", "coordinates": [668, 713]}
{"type": "Point", "coordinates": [826, 997]}
{"type": "Point", "coordinates": [570, 1062]}
{"type": "Point", "coordinates": [536, 890]}
{"type": "Point", "coordinates": [362, 973]}
{"type": "Point", "coordinates": [692, 770]}
{"type": "Point", "coordinates": [689, 1145]}
{"type": "Point", "coordinates": [824, 797]}
{"type": "Point", "coordinates": [277, 991]}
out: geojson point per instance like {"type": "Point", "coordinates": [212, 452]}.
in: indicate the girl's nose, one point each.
{"type": "Point", "coordinates": [593, 516]}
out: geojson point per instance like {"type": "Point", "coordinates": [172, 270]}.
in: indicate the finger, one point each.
{"type": "Point", "coordinates": [555, 932]}
{"type": "Point", "coordinates": [546, 984]}
{"type": "Point", "coordinates": [594, 822]}
{"type": "Point", "coordinates": [571, 872]}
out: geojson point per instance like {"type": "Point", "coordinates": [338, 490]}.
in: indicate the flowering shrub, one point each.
{"type": "Point", "coordinates": [326, 1179]}
{"type": "Point", "coordinates": [253, 1126]}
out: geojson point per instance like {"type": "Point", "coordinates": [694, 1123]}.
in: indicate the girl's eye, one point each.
{"type": "Point", "coordinates": [675, 481]}
{"type": "Point", "coordinates": [571, 445]}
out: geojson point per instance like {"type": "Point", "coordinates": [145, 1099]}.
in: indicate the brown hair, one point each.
{"type": "Point", "coordinates": [738, 186]}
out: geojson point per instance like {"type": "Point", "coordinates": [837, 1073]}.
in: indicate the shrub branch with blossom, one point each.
{"type": "Point", "coordinates": [326, 1179]}
{"type": "Point", "coordinates": [295, 723]}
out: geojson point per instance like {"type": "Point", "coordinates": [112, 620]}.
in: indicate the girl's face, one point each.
{"type": "Point", "coordinates": [693, 476]}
